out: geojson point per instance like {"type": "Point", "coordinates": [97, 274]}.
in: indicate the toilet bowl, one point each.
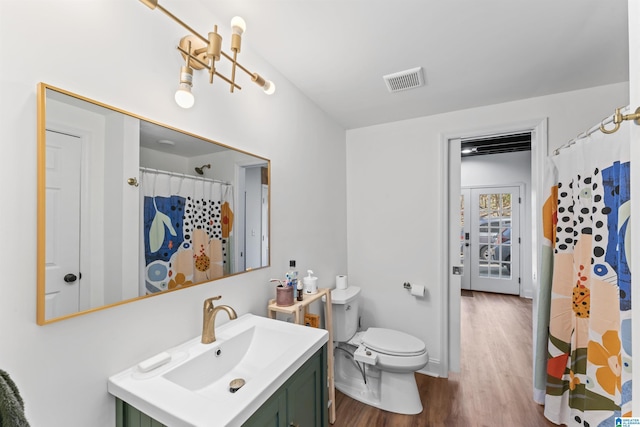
{"type": "Point", "coordinates": [375, 366]}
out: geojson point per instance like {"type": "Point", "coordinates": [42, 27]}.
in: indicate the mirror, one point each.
{"type": "Point", "coordinates": [129, 208]}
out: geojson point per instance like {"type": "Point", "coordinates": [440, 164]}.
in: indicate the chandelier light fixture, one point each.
{"type": "Point", "coordinates": [202, 53]}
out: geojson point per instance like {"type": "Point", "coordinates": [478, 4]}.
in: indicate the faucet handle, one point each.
{"type": "Point", "coordinates": [208, 303]}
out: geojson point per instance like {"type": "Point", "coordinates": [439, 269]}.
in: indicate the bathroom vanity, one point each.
{"type": "Point", "coordinates": [284, 367]}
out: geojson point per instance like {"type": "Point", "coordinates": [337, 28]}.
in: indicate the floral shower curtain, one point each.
{"type": "Point", "coordinates": [187, 226]}
{"type": "Point", "coordinates": [583, 344]}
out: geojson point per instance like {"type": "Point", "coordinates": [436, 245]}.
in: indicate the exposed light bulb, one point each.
{"type": "Point", "coordinates": [184, 97]}
{"type": "Point", "coordinates": [238, 26]}
{"type": "Point", "coordinates": [269, 87]}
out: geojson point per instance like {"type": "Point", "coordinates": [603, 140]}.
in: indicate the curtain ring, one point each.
{"type": "Point", "coordinates": [617, 119]}
{"type": "Point", "coordinates": [608, 132]}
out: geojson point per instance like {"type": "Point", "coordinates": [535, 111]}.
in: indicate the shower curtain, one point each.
{"type": "Point", "coordinates": [582, 367]}
{"type": "Point", "coordinates": [187, 227]}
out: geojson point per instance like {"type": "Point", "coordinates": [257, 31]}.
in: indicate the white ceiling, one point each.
{"type": "Point", "coordinates": [473, 52]}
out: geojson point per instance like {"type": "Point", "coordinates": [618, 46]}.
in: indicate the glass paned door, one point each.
{"type": "Point", "coordinates": [494, 239]}
{"type": "Point", "coordinates": [465, 237]}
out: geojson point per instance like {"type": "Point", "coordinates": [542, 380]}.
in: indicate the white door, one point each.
{"type": "Point", "coordinates": [495, 239]}
{"type": "Point", "coordinates": [62, 257]}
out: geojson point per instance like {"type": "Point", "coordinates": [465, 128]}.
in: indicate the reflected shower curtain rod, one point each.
{"type": "Point", "coordinates": [183, 175]}
{"type": "Point", "coordinates": [615, 118]}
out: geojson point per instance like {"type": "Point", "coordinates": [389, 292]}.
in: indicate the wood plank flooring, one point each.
{"type": "Point", "coordinates": [494, 386]}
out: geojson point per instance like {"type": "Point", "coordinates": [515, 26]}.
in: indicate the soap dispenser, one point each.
{"type": "Point", "coordinates": [310, 283]}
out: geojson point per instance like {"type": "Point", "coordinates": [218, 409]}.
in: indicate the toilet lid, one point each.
{"type": "Point", "coordinates": [393, 342]}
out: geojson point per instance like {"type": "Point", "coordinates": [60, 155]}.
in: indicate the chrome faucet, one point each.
{"type": "Point", "coordinates": [209, 318]}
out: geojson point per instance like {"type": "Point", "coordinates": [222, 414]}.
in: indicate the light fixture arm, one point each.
{"type": "Point", "coordinates": [233, 69]}
{"type": "Point", "coordinates": [199, 56]}
{"type": "Point", "coordinates": [153, 4]}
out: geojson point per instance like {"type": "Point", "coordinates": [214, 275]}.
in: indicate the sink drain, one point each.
{"type": "Point", "coordinates": [236, 384]}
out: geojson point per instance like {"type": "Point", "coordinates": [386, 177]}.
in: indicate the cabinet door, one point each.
{"type": "Point", "coordinates": [128, 416]}
{"type": "Point", "coordinates": [305, 396]}
{"type": "Point", "coordinates": [271, 414]}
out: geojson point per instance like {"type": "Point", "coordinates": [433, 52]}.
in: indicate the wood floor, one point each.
{"type": "Point", "coordinates": [494, 386]}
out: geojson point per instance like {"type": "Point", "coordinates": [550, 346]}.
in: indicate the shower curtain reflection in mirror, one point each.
{"type": "Point", "coordinates": [187, 228]}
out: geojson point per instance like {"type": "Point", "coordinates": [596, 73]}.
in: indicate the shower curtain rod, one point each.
{"type": "Point", "coordinates": [182, 175]}
{"type": "Point", "coordinates": [615, 118]}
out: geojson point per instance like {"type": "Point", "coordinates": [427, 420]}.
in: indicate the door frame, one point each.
{"type": "Point", "coordinates": [450, 297]}
{"type": "Point", "coordinates": [239, 238]}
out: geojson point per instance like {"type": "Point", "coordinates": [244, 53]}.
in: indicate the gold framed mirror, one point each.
{"type": "Point", "coordinates": [130, 208]}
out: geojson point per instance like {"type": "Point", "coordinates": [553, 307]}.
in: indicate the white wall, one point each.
{"type": "Point", "coordinates": [123, 54]}
{"type": "Point", "coordinates": [155, 159]}
{"type": "Point", "coordinates": [496, 169]}
{"type": "Point", "coordinates": [394, 195]}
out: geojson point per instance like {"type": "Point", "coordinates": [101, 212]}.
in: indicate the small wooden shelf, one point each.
{"type": "Point", "coordinates": [299, 309]}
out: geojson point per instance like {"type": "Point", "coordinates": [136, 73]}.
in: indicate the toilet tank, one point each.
{"type": "Point", "coordinates": [345, 312]}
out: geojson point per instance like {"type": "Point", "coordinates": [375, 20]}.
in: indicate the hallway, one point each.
{"type": "Point", "coordinates": [494, 387]}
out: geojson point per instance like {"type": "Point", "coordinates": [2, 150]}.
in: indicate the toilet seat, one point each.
{"type": "Point", "coordinates": [356, 340]}
{"type": "Point", "coordinates": [392, 342]}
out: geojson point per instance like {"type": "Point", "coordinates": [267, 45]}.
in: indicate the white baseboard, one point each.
{"type": "Point", "coordinates": [434, 369]}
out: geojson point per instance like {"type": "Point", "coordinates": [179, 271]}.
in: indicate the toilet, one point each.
{"type": "Point", "coordinates": [375, 366]}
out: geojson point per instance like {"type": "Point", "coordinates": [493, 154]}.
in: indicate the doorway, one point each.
{"type": "Point", "coordinates": [529, 216]}
{"type": "Point", "coordinates": [251, 228]}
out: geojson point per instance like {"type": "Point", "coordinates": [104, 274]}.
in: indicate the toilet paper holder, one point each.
{"type": "Point", "coordinates": [415, 290]}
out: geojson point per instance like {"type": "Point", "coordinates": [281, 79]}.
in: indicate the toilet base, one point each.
{"type": "Point", "coordinates": [389, 391]}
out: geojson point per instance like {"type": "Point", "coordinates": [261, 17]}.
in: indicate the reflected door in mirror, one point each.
{"type": "Point", "coordinates": [63, 157]}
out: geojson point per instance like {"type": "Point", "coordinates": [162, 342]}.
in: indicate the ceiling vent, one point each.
{"type": "Point", "coordinates": [404, 80]}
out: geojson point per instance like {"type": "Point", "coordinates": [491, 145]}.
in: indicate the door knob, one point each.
{"type": "Point", "coordinates": [70, 278]}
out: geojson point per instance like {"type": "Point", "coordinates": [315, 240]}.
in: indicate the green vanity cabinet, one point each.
{"type": "Point", "coordinates": [300, 401]}
{"type": "Point", "coordinates": [128, 416]}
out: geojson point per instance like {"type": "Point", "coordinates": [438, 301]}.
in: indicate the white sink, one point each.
{"type": "Point", "coordinates": [192, 389]}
